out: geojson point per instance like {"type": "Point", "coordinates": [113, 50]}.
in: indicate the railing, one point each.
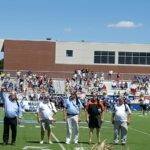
{"type": "Point", "coordinates": [68, 74]}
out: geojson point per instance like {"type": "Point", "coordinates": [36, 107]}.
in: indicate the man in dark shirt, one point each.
{"type": "Point", "coordinates": [94, 116]}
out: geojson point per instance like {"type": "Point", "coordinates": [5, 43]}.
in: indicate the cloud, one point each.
{"type": "Point", "coordinates": [67, 29]}
{"type": "Point", "coordinates": [124, 24]}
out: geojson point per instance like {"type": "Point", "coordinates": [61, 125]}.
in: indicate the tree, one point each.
{"type": "Point", "coordinates": [1, 63]}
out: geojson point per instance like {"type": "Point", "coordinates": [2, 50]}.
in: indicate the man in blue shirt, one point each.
{"type": "Point", "coordinates": [72, 115]}
{"type": "Point", "coordinates": [12, 116]}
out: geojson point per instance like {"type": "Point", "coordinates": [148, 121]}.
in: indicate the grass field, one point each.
{"type": "Point", "coordinates": [28, 135]}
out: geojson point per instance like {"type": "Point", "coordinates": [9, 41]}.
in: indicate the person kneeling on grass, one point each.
{"type": "Point", "coordinates": [45, 113]}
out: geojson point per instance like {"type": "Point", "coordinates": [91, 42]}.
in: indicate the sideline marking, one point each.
{"type": "Point", "coordinates": [79, 148]}
{"type": "Point", "coordinates": [21, 126]}
{"type": "Point", "coordinates": [62, 147]}
{"type": "Point", "coordinates": [34, 147]}
{"type": "Point", "coordinates": [139, 131]}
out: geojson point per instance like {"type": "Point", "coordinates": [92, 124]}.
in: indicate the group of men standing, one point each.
{"type": "Point", "coordinates": [121, 117]}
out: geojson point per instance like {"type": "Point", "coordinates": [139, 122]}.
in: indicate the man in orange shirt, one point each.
{"type": "Point", "coordinates": [94, 116]}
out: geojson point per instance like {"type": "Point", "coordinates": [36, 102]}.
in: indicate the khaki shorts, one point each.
{"type": "Point", "coordinates": [45, 124]}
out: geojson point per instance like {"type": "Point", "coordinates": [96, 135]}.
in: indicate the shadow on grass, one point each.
{"type": "Point", "coordinates": [62, 142]}
{"type": "Point", "coordinates": [55, 142]}
{"type": "Point", "coordinates": [33, 141]}
{"type": "Point", "coordinates": [111, 143]}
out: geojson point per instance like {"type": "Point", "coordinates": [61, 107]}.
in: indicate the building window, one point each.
{"type": "Point", "coordinates": [69, 53]}
{"type": "Point", "coordinates": [136, 58]}
{"type": "Point", "coordinates": [104, 57]}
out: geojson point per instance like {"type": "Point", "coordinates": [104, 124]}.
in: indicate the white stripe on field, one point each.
{"type": "Point", "coordinates": [21, 126]}
{"type": "Point", "coordinates": [62, 147]}
{"type": "Point", "coordinates": [139, 131]}
{"type": "Point", "coordinates": [34, 147]}
{"type": "Point", "coordinates": [79, 148]}
{"type": "Point", "coordinates": [84, 127]}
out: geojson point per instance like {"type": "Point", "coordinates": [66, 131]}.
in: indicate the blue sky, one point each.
{"type": "Point", "coordinates": [121, 21]}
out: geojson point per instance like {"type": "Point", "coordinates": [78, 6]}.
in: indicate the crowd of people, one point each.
{"type": "Point", "coordinates": [85, 91]}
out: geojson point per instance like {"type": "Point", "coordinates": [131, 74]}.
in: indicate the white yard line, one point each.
{"type": "Point", "coordinates": [35, 147]}
{"type": "Point", "coordinates": [139, 131]}
{"type": "Point", "coordinates": [79, 148]}
{"type": "Point", "coordinates": [62, 147]}
{"type": "Point", "coordinates": [21, 126]}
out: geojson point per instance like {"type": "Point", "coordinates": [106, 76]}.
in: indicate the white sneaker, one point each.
{"type": "Point", "coordinates": [76, 142]}
{"type": "Point", "coordinates": [67, 142]}
{"type": "Point", "coordinates": [116, 142]}
{"type": "Point", "coordinates": [50, 142]}
{"type": "Point", "coordinates": [41, 142]}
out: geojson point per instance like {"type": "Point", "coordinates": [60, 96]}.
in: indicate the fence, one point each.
{"type": "Point", "coordinates": [68, 74]}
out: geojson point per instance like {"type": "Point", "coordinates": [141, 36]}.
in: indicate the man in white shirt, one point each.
{"type": "Point", "coordinates": [45, 113]}
{"type": "Point", "coordinates": [121, 118]}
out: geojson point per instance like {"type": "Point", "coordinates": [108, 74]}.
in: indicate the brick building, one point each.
{"type": "Point", "coordinates": [68, 56]}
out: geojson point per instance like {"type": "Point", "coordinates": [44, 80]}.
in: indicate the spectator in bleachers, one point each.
{"type": "Point", "coordinates": [18, 74]}
{"type": "Point", "coordinates": [104, 88]}
{"type": "Point", "coordinates": [118, 77]}
{"type": "Point", "coordinates": [126, 85]}
{"type": "Point", "coordinates": [102, 78]}
{"type": "Point", "coordinates": [51, 89]}
{"type": "Point", "coordinates": [82, 97]}
{"type": "Point", "coordinates": [106, 101]}
{"type": "Point", "coordinates": [110, 73]}
{"type": "Point", "coordinates": [133, 88]}
{"type": "Point", "coordinates": [114, 86]}
{"type": "Point", "coordinates": [121, 85]}
{"type": "Point", "coordinates": [127, 99]}
{"type": "Point", "coordinates": [144, 103]}
{"type": "Point", "coordinates": [100, 87]}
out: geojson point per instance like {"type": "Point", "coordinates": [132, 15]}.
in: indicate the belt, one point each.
{"type": "Point", "coordinates": [10, 118]}
{"type": "Point", "coordinates": [72, 114]}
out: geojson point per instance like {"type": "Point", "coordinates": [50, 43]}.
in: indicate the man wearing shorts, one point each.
{"type": "Point", "coordinates": [45, 113]}
{"type": "Point", "coordinates": [94, 116]}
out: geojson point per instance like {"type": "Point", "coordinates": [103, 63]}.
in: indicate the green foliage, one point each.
{"type": "Point", "coordinates": [1, 64]}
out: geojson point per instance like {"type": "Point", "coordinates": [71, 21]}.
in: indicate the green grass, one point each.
{"type": "Point", "coordinates": [29, 135]}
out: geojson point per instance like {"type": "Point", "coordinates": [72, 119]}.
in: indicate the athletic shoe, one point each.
{"type": "Point", "coordinates": [13, 143]}
{"type": "Point", "coordinates": [41, 142]}
{"type": "Point", "coordinates": [76, 142]}
{"type": "Point", "coordinates": [50, 142]}
{"type": "Point", "coordinates": [67, 142]}
{"type": "Point", "coordinates": [5, 143]}
{"type": "Point", "coordinates": [123, 143]}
